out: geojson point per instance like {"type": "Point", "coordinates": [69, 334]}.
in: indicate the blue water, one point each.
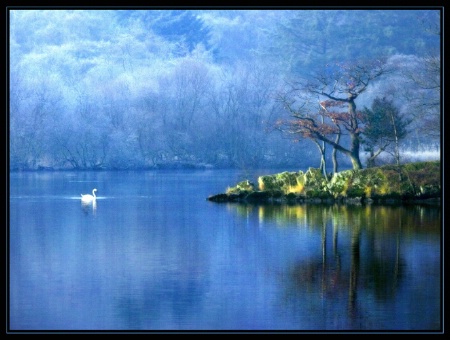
{"type": "Point", "coordinates": [154, 254]}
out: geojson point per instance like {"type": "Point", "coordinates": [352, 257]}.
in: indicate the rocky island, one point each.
{"type": "Point", "coordinates": [412, 182]}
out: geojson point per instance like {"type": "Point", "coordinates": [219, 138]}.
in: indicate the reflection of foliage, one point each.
{"type": "Point", "coordinates": [376, 218]}
{"type": "Point", "coordinates": [300, 215]}
{"type": "Point", "coordinates": [312, 275]}
{"type": "Point", "coordinates": [383, 276]}
{"type": "Point", "coordinates": [366, 259]}
{"type": "Point", "coordinates": [357, 264]}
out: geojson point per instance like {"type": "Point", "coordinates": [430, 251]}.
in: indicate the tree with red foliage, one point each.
{"type": "Point", "coordinates": [340, 85]}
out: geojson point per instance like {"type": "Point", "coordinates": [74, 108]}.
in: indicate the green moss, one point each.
{"type": "Point", "coordinates": [422, 174]}
{"type": "Point", "coordinates": [356, 192]}
{"type": "Point", "coordinates": [347, 183]}
{"type": "Point", "coordinates": [268, 183]}
{"type": "Point", "coordinates": [286, 182]}
{"type": "Point", "coordinates": [314, 177]}
{"type": "Point", "coordinates": [409, 181]}
{"type": "Point", "coordinates": [316, 193]}
{"type": "Point", "coordinates": [244, 186]}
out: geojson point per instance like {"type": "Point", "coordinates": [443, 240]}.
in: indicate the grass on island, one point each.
{"type": "Point", "coordinates": [419, 180]}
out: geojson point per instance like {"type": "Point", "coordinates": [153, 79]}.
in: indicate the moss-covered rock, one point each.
{"type": "Point", "coordinates": [390, 182]}
{"type": "Point", "coordinates": [314, 178]}
{"type": "Point", "coordinates": [267, 183]}
{"type": "Point", "coordinates": [286, 181]}
{"type": "Point", "coordinates": [429, 190]}
{"type": "Point", "coordinates": [244, 186]}
{"type": "Point", "coordinates": [340, 183]}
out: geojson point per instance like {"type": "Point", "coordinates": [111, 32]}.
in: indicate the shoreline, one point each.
{"type": "Point", "coordinates": [412, 183]}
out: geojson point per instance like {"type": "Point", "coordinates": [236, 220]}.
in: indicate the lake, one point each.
{"type": "Point", "coordinates": [154, 254]}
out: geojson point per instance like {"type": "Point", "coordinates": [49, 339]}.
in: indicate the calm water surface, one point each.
{"type": "Point", "coordinates": [154, 254]}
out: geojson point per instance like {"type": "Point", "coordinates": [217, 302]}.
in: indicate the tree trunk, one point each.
{"type": "Point", "coordinates": [355, 162]}
{"type": "Point", "coordinates": [323, 164]}
{"type": "Point", "coordinates": [373, 155]}
{"type": "Point", "coordinates": [354, 134]}
{"type": "Point", "coordinates": [371, 160]}
{"type": "Point", "coordinates": [354, 152]}
{"type": "Point", "coordinates": [335, 162]}
{"type": "Point", "coordinates": [334, 153]}
{"type": "Point", "coordinates": [397, 149]}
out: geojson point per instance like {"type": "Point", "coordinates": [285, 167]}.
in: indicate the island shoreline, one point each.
{"type": "Point", "coordinates": [411, 183]}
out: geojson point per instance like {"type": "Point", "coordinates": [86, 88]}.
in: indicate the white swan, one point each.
{"type": "Point", "coordinates": [89, 198]}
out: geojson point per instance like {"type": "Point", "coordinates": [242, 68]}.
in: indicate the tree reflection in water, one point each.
{"type": "Point", "coordinates": [365, 265]}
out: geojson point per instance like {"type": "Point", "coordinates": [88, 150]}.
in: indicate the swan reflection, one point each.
{"type": "Point", "coordinates": [87, 206]}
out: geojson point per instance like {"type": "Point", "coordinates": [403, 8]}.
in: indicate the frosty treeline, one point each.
{"type": "Point", "coordinates": [133, 89]}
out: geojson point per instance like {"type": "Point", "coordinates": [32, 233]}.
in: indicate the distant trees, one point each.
{"type": "Point", "coordinates": [148, 88]}
{"type": "Point", "coordinates": [183, 92]}
{"type": "Point", "coordinates": [35, 108]}
{"type": "Point", "coordinates": [423, 81]}
{"type": "Point", "coordinates": [241, 104]}
{"type": "Point", "coordinates": [310, 38]}
{"type": "Point", "coordinates": [424, 94]}
{"type": "Point", "coordinates": [182, 27]}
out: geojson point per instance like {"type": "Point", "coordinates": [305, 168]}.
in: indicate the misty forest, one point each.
{"type": "Point", "coordinates": [147, 89]}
